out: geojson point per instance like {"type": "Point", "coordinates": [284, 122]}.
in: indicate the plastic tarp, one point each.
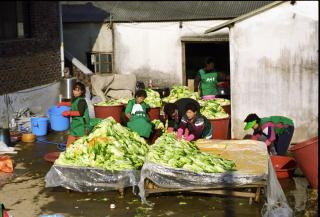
{"type": "Point", "coordinates": [88, 179]}
{"type": "Point", "coordinates": [248, 171]}
{"type": "Point", "coordinates": [276, 204]}
{"type": "Point", "coordinates": [253, 165]}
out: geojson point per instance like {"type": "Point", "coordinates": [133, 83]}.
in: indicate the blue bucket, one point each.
{"type": "Point", "coordinates": [39, 126]}
{"type": "Point", "coordinates": [57, 120]}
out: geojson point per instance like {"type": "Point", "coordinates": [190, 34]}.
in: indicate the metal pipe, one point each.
{"type": "Point", "coordinates": [61, 40]}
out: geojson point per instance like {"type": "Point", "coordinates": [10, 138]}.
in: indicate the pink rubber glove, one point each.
{"type": "Point", "coordinates": [170, 129]}
{"type": "Point", "coordinates": [180, 132]}
{"type": "Point", "coordinates": [268, 142]}
{"type": "Point", "coordinates": [186, 133]}
{"type": "Point", "coordinates": [190, 137]}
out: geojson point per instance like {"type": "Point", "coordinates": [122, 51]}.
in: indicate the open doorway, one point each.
{"type": "Point", "coordinates": [195, 54]}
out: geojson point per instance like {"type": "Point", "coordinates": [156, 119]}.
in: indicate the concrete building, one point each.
{"type": "Point", "coordinates": [274, 65]}
{"type": "Point", "coordinates": [271, 55]}
{"type": "Point", "coordinates": [162, 41]}
{"type": "Point", "coordinates": [29, 55]}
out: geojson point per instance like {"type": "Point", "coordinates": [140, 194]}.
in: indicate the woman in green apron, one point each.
{"type": "Point", "coordinates": [136, 112]}
{"type": "Point", "coordinates": [79, 113]}
{"type": "Point", "coordinates": [275, 131]}
{"type": "Point", "coordinates": [207, 80]}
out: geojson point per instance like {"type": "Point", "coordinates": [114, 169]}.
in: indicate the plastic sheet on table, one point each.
{"type": "Point", "coordinates": [250, 156]}
{"type": "Point", "coordinates": [166, 177]}
{"type": "Point", "coordinates": [276, 204]}
{"type": "Point", "coordinates": [88, 179]}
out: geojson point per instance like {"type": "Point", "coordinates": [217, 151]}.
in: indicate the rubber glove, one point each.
{"type": "Point", "coordinates": [190, 137]}
{"type": "Point", "coordinates": [268, 142]}
{"type": "Point", "coordinates": [170, 129]}
{"type": "Point", "coordinates": [63, 104]}
{"type": "Point", "coordinates": [180, 132]}
{"type": "Point", "coordinates": [71, 113]}
{"type": "Point", "coordinates": [186, 133]}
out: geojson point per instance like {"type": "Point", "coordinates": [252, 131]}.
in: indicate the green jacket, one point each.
{"type": "Point", "coordinates": [80, 125]}
{"type": "Point", "coordinates": [276, 120]}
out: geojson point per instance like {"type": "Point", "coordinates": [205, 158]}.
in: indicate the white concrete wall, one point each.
{"type": "Point", "coordinates": [38, 99]}
{"type": "Point", "coordinates": [154, 50]}
{"type": "Point", "coordinates": [80, 38]}
{"type": "Point", "coordinates": [274, 67]}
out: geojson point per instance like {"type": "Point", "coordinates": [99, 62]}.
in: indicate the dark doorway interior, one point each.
{"type": "Point", "coordinates": [197, 52]}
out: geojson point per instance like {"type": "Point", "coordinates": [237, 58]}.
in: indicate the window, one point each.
{"type": "Point", "coordinates": [101, 62]}
{"type": "Point", "coordinates": [14, 19]}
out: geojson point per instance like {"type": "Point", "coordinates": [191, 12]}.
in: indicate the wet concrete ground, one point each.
{"type": "Point", "coordinates": [24, 194]}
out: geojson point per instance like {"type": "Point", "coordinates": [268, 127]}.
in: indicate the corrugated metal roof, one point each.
{"type": "Point", "coordinates": [138, 11]}
{"type": "Point", "coordinates": [83, 13]}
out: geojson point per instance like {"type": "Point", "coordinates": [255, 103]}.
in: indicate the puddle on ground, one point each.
{"type": "Point", "coordinates": [32, 168]}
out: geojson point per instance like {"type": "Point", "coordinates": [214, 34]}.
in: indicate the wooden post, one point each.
{"type": "Point", "coordinates": [257, 197]}
{"type": "Point", "coordinates": [121, 192]}
{"type": "Point", "coordinates": [191, 85]}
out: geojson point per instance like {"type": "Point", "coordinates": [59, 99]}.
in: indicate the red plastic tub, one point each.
{"type": "Point", "coordinates": [220, 128]}
{"type": "Point", "coordinates": [109, 111]}
{"type": "Point", "coordinates": [283, 165]}
{"type": "Point", "coordinates": [227, 108]}
{"type": "Point", "coordinates": [306, 155]}
{"type": "Point", "coordinates": [52, 156]}
{"type": "Point", "coordinates": [154, 113]}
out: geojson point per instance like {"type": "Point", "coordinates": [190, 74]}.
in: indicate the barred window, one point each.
{"type": "Point", "coordinates": [101, 62]}
{"type": "Point", "coordinates": [14, 19]}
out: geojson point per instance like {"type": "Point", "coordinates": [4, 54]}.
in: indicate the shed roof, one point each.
{"type": "Point", "coordinates": [83, 13]}
{"type": "Point", "coordinates": [146, 11]}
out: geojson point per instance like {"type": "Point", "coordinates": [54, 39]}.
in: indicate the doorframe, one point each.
{"type": "Point", "coordinates": [200, 40]}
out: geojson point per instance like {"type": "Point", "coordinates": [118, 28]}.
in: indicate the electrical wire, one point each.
{"type": "Point", "coordinates": [60, 146]}
{"type": "Point", "coordinates": [28, 91]}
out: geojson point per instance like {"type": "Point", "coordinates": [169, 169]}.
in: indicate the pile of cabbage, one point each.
{"type": "Point", "coordinates": [220, 101]}
{"type": "Point", "coordinates": [153, 98]}
{"type": "Point", "coordinates": [171, 152]}
{"type": "Point", "coordinates": [110, 146]}
{"type": "Point", "coordinates": [211, 109]}
{"type": "Point", "coordinates": [114, 102]}
{"type": "Point", "coordinates": [178, 92]}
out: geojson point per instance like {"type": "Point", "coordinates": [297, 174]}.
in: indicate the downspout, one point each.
{"type": "Point", "coordinates": [113, 51]}
{"type": "Point", "coordinates": [61, 40]}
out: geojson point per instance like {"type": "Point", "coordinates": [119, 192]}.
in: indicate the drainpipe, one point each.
{"type": "Point", "coordinates": [61, 40]}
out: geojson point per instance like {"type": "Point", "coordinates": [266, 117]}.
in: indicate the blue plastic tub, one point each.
{"type": "Point", "coordinates": [57, 120]}
{"type": "Point", "coordinates": [39, 126]}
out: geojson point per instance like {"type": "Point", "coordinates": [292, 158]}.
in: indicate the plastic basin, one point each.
{"type": "Point", "coordinates": [109, 111]}
{"type": "Point", "coordinates": [283, 165]}
{"type": "Point", "coordinates": [52, 156]}
{"type": "Point", "coordinates": [306, 155]}
{"type": "Point", "coordinates": [227, 108]}
{"type": "Point", "coordinates": [208, 97]}
{"type": "Point", "coordinates": [154, 113]}
{"type": "Point", "coordinates": [39, 126]}
{"type": "Point", "coordinates": [220, 128]}
{"type": "Point", "coordinates": [57, 121]}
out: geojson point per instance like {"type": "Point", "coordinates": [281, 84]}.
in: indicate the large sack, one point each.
{"type": "Point", "coordinates": [123, 82]}
{"type": "Point", "coordinates": [117, 94]}
{"type": "Point", "coordinates": [100, 83]}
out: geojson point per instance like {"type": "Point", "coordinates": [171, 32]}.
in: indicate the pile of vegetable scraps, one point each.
{"type": "Point", "coordinates": [110, 146]}
{"type": "Point", "coordinates": [171, 152]}
{"type": "Point", "coordinates": [178, 92]}
{"type": "Point", "coordinates": [213, 110]}
{"type": "Point", "coordinates": [153, 98]}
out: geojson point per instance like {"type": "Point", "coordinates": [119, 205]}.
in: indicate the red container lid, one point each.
{"type": "Point", "coordinates": [300, 145]}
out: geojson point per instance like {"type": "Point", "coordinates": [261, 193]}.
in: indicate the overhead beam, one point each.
{"type": "Point", "coordinates": [243, 17]}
